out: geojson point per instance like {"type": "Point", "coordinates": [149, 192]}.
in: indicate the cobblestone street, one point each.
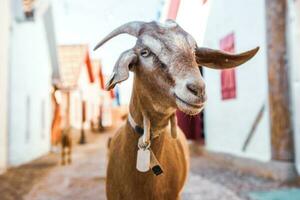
{"type": "Point", "coordinates": [45, 179]}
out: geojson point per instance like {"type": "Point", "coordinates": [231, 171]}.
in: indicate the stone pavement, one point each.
{"type": "Point", "coordinates": [82, 180]}
{"type": "Point", "coordinates": [198, 188]}
{"type": "Point", "coordinates": [17, 182]}
{"type": "Point", "coordinates": [85, 178]}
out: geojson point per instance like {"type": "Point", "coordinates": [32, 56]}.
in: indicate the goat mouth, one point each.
{"type": "Point", "coordinates": [197, 106]}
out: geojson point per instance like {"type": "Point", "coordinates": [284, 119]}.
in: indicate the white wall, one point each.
{"type": "Point", "coordinates": [76, 109]}
{"type": "Point", "coordinates": [88, 92]}
{"type": "Point", "coordinates": [192, 17]}
{"type": "Point", "coordinates": [293, 38]}
{"type": "Point", "coordinates": [4, 41]}
{"type": "Point", "coordinates": [227, 123]}
{"type": "Point", "coordinates": [30, 78]}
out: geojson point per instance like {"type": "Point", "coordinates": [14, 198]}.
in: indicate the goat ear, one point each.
{"type": "Point", "coordinates": [216, 59]}
{"type": "Point", "coordinates": [121, 69]}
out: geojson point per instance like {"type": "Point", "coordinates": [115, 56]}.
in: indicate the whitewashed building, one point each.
{"type": "Point", "coordinates": [228, 121]}
{"type": "Point", "coordinates": [32, 57]}
{"type": "Point", "coordinates": [4, 41]}
{"type": "Point", "coordinates": [262, 120]}
{"type": "Point", "coordinates": [294, 58]}
{"type": "Point", "coordinates": [83, 82]}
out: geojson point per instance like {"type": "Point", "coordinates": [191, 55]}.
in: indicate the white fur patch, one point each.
{"type": "Point", "coordinates": [192, 41]}
{"type": "Point", "coordinates": [168, 24]}
{"type": "Point", "coordinates": [179, 40]}
{"type": "Point", "coordinates": [154, 44]}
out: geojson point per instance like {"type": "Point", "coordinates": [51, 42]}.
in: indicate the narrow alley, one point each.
{"type": "Point", "coordinates": [227, 73]}
{"type": "Point", "coordinates": [84, 179]}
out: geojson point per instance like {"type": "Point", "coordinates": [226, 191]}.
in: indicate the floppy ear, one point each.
{"type": "Point", "coordinates": [216, 59]}
{"type": "Point", "coordinates": [121, 69]}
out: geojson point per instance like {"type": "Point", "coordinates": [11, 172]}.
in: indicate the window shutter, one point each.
{"type": "Point", "coordinates": [228, 80]}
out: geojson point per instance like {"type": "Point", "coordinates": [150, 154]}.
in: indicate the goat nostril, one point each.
{"type": "Point", "coordinates": [196, 90]}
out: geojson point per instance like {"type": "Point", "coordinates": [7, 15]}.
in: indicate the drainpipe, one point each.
{"type": "Point", "coordinates": [278, 77]}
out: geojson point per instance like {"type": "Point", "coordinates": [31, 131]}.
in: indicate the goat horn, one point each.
{"type": "Point", "coordinates": [216, 59]}
{"type": "Point", "coordinates": [131, 28]}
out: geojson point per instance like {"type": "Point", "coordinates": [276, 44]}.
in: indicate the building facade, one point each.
{"type": "Point", "coordinates": [30, 80]}
{"type": "Point", "coordinates": [83, 82]}
{"type": "Point", "coordinates": [229, 118]}
{"type": "Point", "coordinates": [4, 62]}
{"type": "Point", "coordinates": [252, 111]}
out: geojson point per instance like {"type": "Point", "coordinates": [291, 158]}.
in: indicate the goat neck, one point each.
{"type": "Point", "coordinates": [145, 102]}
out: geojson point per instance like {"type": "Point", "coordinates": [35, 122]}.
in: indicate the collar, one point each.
{"type": "Point", "coordinates": [138, 129]}
{"type": "Point", "coordinates": [154, 163]}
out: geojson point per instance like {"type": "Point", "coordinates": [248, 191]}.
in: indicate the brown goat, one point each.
{"type": "Point", "coordinates": [165, 62]}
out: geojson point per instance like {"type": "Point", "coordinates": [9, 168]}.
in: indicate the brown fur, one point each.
{"type": "Point", "coordinates": [124, 181]}
{"type": "Point", "coordinates": [66, 147]}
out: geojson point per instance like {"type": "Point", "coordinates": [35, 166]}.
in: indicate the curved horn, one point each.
{"type": "Point", "coordinates": [131, 28]}
{"type": "Point", "coordinates": [216, 59]}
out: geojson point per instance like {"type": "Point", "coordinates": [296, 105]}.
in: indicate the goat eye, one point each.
{"type": "Point", "coordinates": [162, 65]}
{"type": "Point", "coordinates": [145, 53]}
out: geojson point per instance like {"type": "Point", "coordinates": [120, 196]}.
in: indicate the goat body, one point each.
{"type": "Point", "coordinates": [125, 182]}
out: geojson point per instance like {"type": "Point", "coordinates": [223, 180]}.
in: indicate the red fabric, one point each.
{"type": "Point", "coordinates": [228, 80]}
{"type": "Point", "coordinates": [191, 125]}
{"type": "Point", "coordinates": [89, 67]}
{"type": "Point", "coordinates": [112, 93]}
{"type": "Point", "coordinates": [173, 9]}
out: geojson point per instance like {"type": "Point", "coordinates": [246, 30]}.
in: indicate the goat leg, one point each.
{"type": "Point", "coordinates": [63, 156]}
{"type": "Point", "coordinates": [69, 155]}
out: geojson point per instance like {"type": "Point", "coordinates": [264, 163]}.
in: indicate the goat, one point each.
{"type": "Point", "coordinates": [66, 147]}
{"type": "Point", "coordinates": [165, 61]}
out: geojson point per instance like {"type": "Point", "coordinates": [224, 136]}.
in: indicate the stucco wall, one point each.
{"type": "Point", "coordinates": [192, 17]}
{"type": "Point", "coordinates": [227, 123]}
{"type": "Point", "coordinates": [4, 41]}
{"type": "Point", "coordinates": [293, 38]}
{"type": "Point", "coordinates": [30, 83]}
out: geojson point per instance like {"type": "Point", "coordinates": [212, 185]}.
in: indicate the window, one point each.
{"type": "Point", "coordinates": [228, 80]}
